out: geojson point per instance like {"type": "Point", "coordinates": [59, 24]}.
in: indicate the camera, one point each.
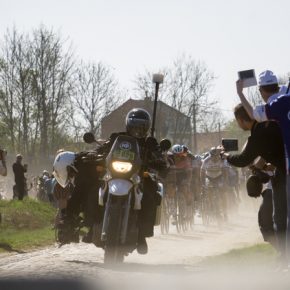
{"type": "Point", "coordinates": [255, 182]}
{"type": "Point", "coordinates": [248, 77]}
{"type": "Point", "coordinates": [230, 144]}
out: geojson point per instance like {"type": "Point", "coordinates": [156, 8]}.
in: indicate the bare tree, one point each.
{"type": "Point", "coordinates": [35, 87]}
{"type": "Point", "coordinates": [214, 121]}
{"type": "Point", "coordinates": [52, 69]}
{"type": "Point", "coordinates": [95, 94]}
{"type": "Point", "coordinates": [186, 88]}
{"type": "Point", "coordinates": [7, 84]}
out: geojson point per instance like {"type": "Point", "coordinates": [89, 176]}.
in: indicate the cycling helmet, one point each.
{"type": "Point", "coordinates": [138, 123]}
{"type": "Point", "coordinates": [177, 149]}
{"type": "Point", "coordinates": [214, 151]}
{"type": "Point", "coordinates": [62, 162]}
{"type": "Point", "coordinates": [45, 173]}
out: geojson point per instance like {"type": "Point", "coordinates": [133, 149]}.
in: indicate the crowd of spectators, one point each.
{"type": "Point", "coordinates": [269, 139]}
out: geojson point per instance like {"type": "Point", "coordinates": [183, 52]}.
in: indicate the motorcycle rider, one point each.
{"type": "Point", "coordinates": [79, 183]}
{"type": "Point", "coordinates": [138, 123]}
{"type": "Point", "coordinates": [86, 179]}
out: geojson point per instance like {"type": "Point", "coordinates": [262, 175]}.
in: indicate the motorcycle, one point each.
{"type": "Point", "coordinates": [121, 197]}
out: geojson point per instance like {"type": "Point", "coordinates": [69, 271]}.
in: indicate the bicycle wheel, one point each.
{"type": "Point", "coordinates": [164, 223]}
{"type": "Point", "coordinates": [176, 214]}
{"type": "Point", "coordinates": [182, 213]}
{"type": "Point", "coordinates": [216, 207]}
{"type": "Point", "coordinates": [205, 214]}
{"type": "Point", "coordinates": [190, 216]}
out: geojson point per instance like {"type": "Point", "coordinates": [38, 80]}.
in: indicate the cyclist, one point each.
{"type": "Point", "coordinates": [214, 172]}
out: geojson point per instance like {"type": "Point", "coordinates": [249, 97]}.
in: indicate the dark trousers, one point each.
{"type": "Point", "coordinates": [84, 199]}
{"type": "Point", "coordinates": [265, 217]}
{"type": "Point", "coordinates": [280, 208]}
{"type": "Point", "coordinates": [288, 214]}
{"type": "Point", "coordinates": [21, 191]}
{"type": "Point", "coordinates": [149, 204]}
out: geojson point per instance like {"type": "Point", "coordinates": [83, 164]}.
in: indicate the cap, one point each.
{"type": "Point", "coordinates": [267, 78]}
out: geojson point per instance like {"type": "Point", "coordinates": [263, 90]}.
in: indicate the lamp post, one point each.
{"type": "Point", "coordinates": [157, 80]}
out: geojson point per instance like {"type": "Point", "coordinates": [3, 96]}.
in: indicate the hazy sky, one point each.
{"type": "Point", "coordinates": [131, 35]}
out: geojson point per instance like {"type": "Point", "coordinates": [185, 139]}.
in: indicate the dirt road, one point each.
{"type": "Point", "coordinates": [169, 256]}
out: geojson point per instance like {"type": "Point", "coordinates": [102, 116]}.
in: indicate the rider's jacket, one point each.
{"type": "Point", "coordinates": [182, 161]}
{"type": "Point", "coordinates": [213, 168]}
{"type": "Point", "coordinates": [86, 165]}
{"type": "Point", "coordinates": [151, 159]}
{"type": "Point", "coordinates": [196, 162]}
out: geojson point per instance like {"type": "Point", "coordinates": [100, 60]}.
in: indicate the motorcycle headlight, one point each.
{"type": "Point", "coordinates": [122, 167]}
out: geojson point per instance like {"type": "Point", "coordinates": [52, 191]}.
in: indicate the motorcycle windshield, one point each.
{"type": "Point", "coordinates": [124, 158]}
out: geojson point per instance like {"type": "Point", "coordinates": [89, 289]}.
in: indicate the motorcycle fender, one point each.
{"type": "Point", "coordinates": [101, 196]}
{"type": "Point", "coordinates": [138, 198]}
{"type": "Point", "coordinates": [160, 189]}
{"type": "Point", "coordinates": [119, 187]}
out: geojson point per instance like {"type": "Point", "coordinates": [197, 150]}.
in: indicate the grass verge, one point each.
{"type": "Point", "coordinates": [256, 255]}
{"type": "Point", "coordinates": [25, 224]}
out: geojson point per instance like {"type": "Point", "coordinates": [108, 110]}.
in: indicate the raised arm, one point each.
{"type": "Point", "coordinates": [248, 107]}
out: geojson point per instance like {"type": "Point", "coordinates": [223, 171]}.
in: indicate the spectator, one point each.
{"type": "Point", "coordinates": [49, 184]}
{"type": "Point", "coordinates": [265, 216]}
{"type": "Point", "coordinates": [20, 180]}
{"type": "Point", "coordinates": [277, 109]}
{"type": "Point", "coordinates": [265, 141]}
{"type": "Point", "coordinates": [3, 168]}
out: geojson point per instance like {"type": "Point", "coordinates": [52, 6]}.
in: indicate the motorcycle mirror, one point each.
{"type": "Point", "coordinates": [89, 138]}
{"type": "Point", "coordinates": [165, 144]}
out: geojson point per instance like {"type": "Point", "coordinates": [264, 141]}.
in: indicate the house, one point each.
{"type": "Point", "coordinates": [170, 123]}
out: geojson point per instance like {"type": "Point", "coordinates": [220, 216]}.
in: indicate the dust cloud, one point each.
{"type": "Point", "coordinates": [174, 261]}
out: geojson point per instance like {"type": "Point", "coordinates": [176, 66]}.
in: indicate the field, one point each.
{"type": "Point", "coordinates": [25, 224]}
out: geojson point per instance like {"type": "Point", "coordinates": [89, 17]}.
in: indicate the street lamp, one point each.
{"type": "Point", "coordinates": [157, 80]}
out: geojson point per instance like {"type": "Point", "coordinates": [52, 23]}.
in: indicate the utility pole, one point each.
{"type": "Point", "coordinates": [219, 133]}
{"type": "Point", "coordinates": [194, 128]}
{"type": "Point", "coordinates": [157, 80]}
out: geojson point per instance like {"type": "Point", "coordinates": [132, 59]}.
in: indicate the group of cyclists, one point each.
{"type": "Point", "coordinates": [191, 186]}
{"type": "Point", "coordinates": [204, 185]}
{"type": "Point", "coordinates": [196, 185]}
{"type": "Point", "coordinates": [116, 189]}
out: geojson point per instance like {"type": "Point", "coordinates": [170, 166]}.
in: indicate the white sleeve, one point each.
{"type": "Point", "coordinates": [204, 164]}
{"type": "Point", "coordinates": [259, 113]}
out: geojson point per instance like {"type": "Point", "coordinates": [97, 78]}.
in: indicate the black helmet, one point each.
{"type": "Point", "coordinates": [254, 186]}
{"type": "Point", "coordinates": [138, 123]}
